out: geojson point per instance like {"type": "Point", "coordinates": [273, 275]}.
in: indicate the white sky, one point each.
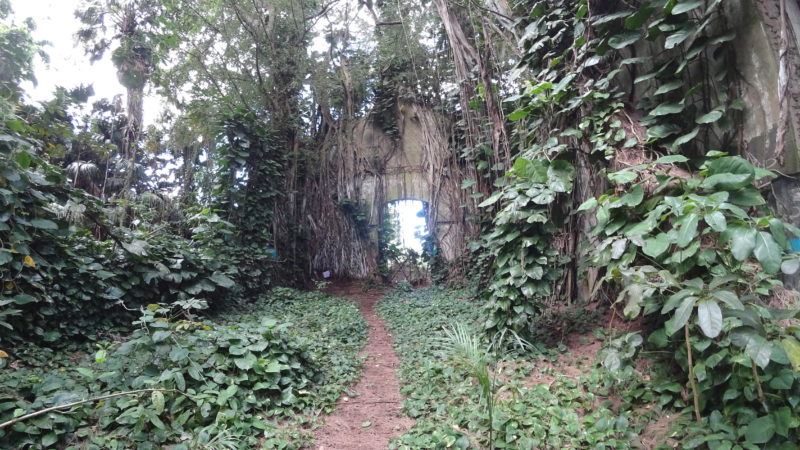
{"type": "Point", "coordinates": [68, 67]}
{"type": "Point", "coordinates": [409, 223]}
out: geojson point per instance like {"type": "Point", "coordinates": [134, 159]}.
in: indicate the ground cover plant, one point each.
{"type": "Point", "coordinates": [450, 399]}
{"type": "Point", "coordinates": [585, 165]}
{"type": "Point", "coordinates": [242, 379]}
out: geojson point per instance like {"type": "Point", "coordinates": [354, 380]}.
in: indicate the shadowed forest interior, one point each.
{"type": "Point", "coordinates": [405, 224]}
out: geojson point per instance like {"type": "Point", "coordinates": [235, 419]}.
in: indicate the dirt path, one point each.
{"type": "Point", "coordinates": [369, 419]}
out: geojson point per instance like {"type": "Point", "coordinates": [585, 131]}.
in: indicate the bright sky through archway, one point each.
{"type": "Point", "coordinates": [409, 212]}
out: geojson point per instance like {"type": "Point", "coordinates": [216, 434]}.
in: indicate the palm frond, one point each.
{"type": "Point", "coordinates": [461, 342]}
{"type": "Point", "coordinates": [82, 169]}
{"type": "Point", "coordinates": [151, 199]}
{"type": "Point", "coordinates": [71, 211]}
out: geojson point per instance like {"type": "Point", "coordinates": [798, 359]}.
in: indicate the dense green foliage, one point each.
{"type": "Point", "coordinates": [685, 239]}
{"type": "Point", "coordinates": [270, 369]}
{"type": "Point", "coordinates": [694, 259]}
{"type": "Point", "coordinates": [613, 173]}
{"type": "Point", "coordinates": [527, 264]}
{"type": "Point", "coordinates": [446, 400]}
{"type": "Point", "coordinates": [59, 279]}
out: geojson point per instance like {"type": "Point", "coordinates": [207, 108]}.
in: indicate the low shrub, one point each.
{"type": "Point", "coordinates": [191, 382]}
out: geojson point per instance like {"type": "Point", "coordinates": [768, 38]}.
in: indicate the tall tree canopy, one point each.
{"type": "Point", "coordinates": [574, 155]}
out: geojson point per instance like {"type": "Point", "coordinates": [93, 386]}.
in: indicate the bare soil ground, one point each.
{"type": "Point", "coordinates": [369, 418]}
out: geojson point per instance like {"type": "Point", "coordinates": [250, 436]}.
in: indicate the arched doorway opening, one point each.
{"type": "Point", "coordinates": [405, 242]}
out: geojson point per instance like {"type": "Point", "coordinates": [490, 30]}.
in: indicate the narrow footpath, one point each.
{"type": "Point", "coordinates": [369, 418]}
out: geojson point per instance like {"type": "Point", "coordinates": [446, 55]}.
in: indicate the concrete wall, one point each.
{"type": "Point", "coordinates": [397, 171]}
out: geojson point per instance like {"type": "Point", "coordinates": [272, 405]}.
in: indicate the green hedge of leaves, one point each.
{"type": "Point", "coordinates": [229, 382]}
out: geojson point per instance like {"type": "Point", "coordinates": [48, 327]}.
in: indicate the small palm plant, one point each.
{"type": "Point", "coordinates": [467, 347]}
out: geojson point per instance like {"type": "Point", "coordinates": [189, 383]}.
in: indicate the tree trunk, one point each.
{"type": "Point", "coordinates": [135, 111]}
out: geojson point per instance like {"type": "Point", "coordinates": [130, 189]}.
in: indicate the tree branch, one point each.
{"type": "Point", "coordinates": [321, 11]}
{"type": "Point", "coordinates": [88, 400]}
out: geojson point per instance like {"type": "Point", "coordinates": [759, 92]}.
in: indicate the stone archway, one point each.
{"type": "Point", "coordinates": [406, 171]}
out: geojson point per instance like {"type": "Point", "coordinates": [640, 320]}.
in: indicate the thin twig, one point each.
{"type": "Point", "coordinates": [88, 400]}
{"type": "Point", "coordinates": [758, 385]}
{"type": "Point", "coordinates": [692, 382]}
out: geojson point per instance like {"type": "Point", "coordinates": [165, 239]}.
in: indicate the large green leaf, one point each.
{"type": "Point", "coordinates": [221, 280]}
{"type": "Point", "coordinates": [671, 159]}
{"type": "Point", "coordinates": [157, 397]}
{"type": "Point", "coordinates": [530, 169]}
{"type": "Point", "coordinates": [625, 39]}
{"type": "Point", "coordinates": [729, 298]}
{"type": "Point", "coordinates": [663, 130]}
{"type": "Point", "coordinates": [709, 317]}
{"type": "Point", "coordinates": [246, 362]}
{"type": "Point", "coordinates": [44, 224]}
{"type": "Point", "coordinates": [686, 5]}
{"type": "Point", "coordinates": [686, 137]}
{"type": "Point", "coordinates": [518, 114]}
{"type": "Point", "coordinates": [634, 197]}
{"type": "Point", "coordinates": [790, 266]}
{"type": "Point", "coordinates": [747, 196]}
{"type": "Point", "coordinates": [743, 241]}
{"type": "Point", "coordinates": [560, 175]}
{"type": "Point", "coordinates": [587, 205]}
{"type": "Point", "coordinates": [682, 315]}
{"type": "Point", "coordinates": [688, 230]}
{"type": "Point", "coordinates": [667, 108]}
{"type": "Point", "coordinates": [767, 252]}
{"type": "Point", "coordinates": [49, 439]}
{"type": "Point", "coordinates": [784, 417]}
{"type": "Point", "coordinates": [792, 349]}
{"type": "Point", "coordinates": [778, 232]}
{"type": "Point", "coordinates": [656, 246]}
{"type": "Point", "coordinates": [623, 176]}
{"type": "Point", "coordinates": [178, 354]}
{"type": "Point", "coordinates": [679, 36]}
{"type": "Point", "coordinates": [492, 199]}
{"type": "Point", "coordinates": [161, 335]}
{"type": "Point", "coordinates": [716, 220]}
{"type": "Point", "coordinates": [636, 20]}
{"type": "Point", "coordinates": [729, 173]}
{"type": "Point", "coordinates": [674, 300]}
{"type": "Point", "coordinates": [750, 319]}
{"type": "Point", "coordinates": [24, 299]}
{"type": "Point", "coordinates": [758, 349]}
{"type": "Point", "coordinates": [760, 430]}
{"type": "Point", "coordinates": [137, 247]}
{"type": "Point", "coordinates": [710, 117]}
{"type": "Point", "coordinates": [543, 197]}
{"type": "Point", "coordinates": [722, 181]}
{"type": "Point", "coordinates": [226, 394]}
{"type": "Point", "coordinates": [668, 87]}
